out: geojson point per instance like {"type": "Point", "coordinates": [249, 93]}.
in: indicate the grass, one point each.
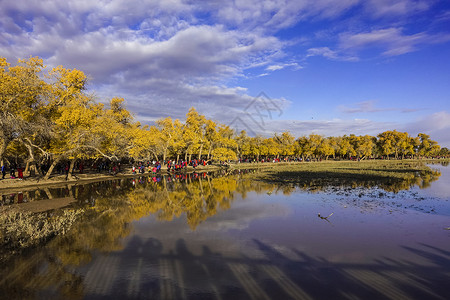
{"type": "Point", "coordinates": [391, 175]}
{"type": "Point", "coordinates": [21, 230]}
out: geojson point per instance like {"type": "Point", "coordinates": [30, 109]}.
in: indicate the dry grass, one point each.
{"type": "Point", "coordinates": [20, 230]}
{"type": "Point", "coordinates": [389, 174]}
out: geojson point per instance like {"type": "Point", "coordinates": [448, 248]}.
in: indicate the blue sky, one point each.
{"type": "Point", "coordinates": [323, 66]}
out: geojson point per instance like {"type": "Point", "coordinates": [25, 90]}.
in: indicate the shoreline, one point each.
{"type": "Point", "coordinates": [29, 183]}
{"type": "Point", "coordinates": [19, 220]}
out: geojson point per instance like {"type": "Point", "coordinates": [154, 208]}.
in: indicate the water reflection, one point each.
{"type": "Point", "coordinates": [193, 185]}
{"type": "Point", "coordinates": [92, 261]}
{"type": "Point", "coordinates": [144, 270]}
{"type": "Point", "coordinates": [324, 181]}
{"type": "Point", "coordinates": [109, 206]}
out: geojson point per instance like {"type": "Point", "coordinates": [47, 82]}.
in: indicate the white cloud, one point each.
{"type": "Point", "coordinates": [380, 8]}
{"type": "Point", "coordinates": [272, 15]}
{"type": "Point", "coordinates": [154, 54]}
{"type": "Point", "coordinates": [277, 67]}
{"type": "Point", "coordinates": [389, 42]}
{"type": "Point", "coordinates": [328, 53]}
{"type": "Point", "coordinates": [392, 41]}
{"type": "Point", "coordinates": [437, 125]}
{"type": "Point", "coordinates": [162, 57]}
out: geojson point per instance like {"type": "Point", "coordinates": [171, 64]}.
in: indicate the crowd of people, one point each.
{"type": "Point", "coordinates": [12, 172]}
{"type": "Point", "coordinates": [153, 167]}
{"type": "Point", "coordinates": [172, 166]}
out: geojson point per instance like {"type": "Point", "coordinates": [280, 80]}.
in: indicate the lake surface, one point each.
{"type": "Point", "coordinates": [224, 236]}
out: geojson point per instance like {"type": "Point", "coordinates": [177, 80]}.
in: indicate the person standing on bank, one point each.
{"type": "Point", "coordinates": [12, 171]}
{"type": "Point", "coordinates": [3, 171]}
{"type": "Point", "coordinates": [20, 171]}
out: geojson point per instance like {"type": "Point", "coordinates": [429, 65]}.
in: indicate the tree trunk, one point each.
{"type": "Point", "coordinates": [209, 152]}
{"type": "Point", "coordinates": [71, 166]}
{"type": "Point", "coordinates": [53, 165]}
{"type": "Point", "coordinates": [69, 188]}
{"type": "Point", "coordinates": [200, 152]}
{"type": "Point", "coordinates": [31, 161]}
{"type": "Point", "coordinates": [156, 156]}
{"type": "Point", "coordinates": [210, 186]}
{"type": "Point", "coordinates": [201, 188]}
{"type": "Point", "coordinates": [3, 144]}
{"type": "Point", "coordinates": [47, 192]}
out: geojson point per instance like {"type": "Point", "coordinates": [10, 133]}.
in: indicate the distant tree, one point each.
{"type": "Point", "coordinates": [427, 146]}
{"type": "Point", "coordinates": [326, 148]}
{"type": "Point", "coordinates": [243, 142]}
{"type": "Point", "coordinates": [346, 147]}
{"type": "Point", "coordinates": [304, 147]}
{"type": "Point", "coordinates": [286, 143]}
{"type": "Point", "coordinates": [444, 152]}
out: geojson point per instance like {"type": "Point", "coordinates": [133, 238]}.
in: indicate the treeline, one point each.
{"type": "Point", "coordinates": [49, 117]}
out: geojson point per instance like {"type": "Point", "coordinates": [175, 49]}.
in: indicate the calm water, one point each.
{"type": "Point", "coordinates": [213, 236]}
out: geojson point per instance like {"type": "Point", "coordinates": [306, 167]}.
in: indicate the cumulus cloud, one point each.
{"type": "Point", "coordinates": [155, 54]}
{"type": "Point", "coordinates": [166, 56]}
{"type": "Point", "coordinates": [437, 125]}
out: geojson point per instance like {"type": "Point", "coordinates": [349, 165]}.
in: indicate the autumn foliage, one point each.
{"type": "Point", "coordinates": [47, 117]}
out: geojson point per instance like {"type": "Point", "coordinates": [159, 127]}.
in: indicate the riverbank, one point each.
{"type": "Point", "coordinates": [391, 175]}
{"type": "Point", "coordinates": [291, 172]}
{"type": "Point", "coordinates": [57, 179]}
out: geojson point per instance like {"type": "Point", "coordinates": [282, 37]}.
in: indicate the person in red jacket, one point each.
{"type": "Point", "coordinates": [20, 172]}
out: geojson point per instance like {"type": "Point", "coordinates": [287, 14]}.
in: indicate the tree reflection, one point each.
{"type": "Point", "coordinates": [322, 181]}
{"type": "Point", "coordinates": [110, 208]}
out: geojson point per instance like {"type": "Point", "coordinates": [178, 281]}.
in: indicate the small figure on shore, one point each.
{"type": "Point", "coordinates": [20, 173]}
{"type": "Point", "coordinates": [3, 171]}
{"type": "Point", "coordinates": [12, 172]}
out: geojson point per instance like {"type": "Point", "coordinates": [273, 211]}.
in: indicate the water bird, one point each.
{"type": "Point", "coordinates": [325, 218]}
